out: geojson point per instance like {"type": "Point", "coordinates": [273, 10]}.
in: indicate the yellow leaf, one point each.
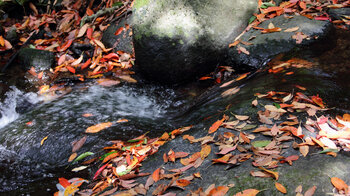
{"type": "Point", "coordinates": [281, 188]}
{"type": "Point", "coordinates": [98, 127]}
{"type": "Point", "coordinates": [72, 157]}
{"type": "Point", "coordinates": [43, 140]}
{"type": "Point", "coordinates": [275, 174]}
{"type": "Point", "coordinates": [206, 149]}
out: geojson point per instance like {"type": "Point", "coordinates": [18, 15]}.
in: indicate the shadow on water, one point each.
{"type": "Point", "coordinates": [28, 167]}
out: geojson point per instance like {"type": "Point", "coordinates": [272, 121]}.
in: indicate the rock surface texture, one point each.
{"type": "Point", "coordinates": [39, 59]}
{"type": "Point", "coordinates": [265, 46]}
{"type": "Point", "coordinates": [177, 40]}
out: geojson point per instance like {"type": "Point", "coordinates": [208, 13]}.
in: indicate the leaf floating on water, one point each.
{"type": "Point", "coordinates": [43, 140]}
{"type": "Point", "coordinates": [231, 91]}
{"type": "Point", "coordinates": [97, 128]}
{"type": "Point", "coordinates": [280, 187]}
{"type": "Point", "coordinates": [248, 192]}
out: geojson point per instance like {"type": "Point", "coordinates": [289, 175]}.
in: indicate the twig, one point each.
{"type": "Point", "coordinates": [98, 14]}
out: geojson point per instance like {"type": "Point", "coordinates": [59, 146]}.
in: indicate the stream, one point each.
{"type": "Point", "coordinates": [27, 168]}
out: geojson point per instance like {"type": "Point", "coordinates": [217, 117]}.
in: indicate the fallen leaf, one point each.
{"type": "Point", "coordinates": [79, 168]}
{"type": "Point", "coordinates": [255, 102]}
{"type": "Point", "coordinates": [218, 191]}
{"type": "Point", "coordinates": [214, 127]}
{"type": "Point", "coordinates": [155, 175]}
{"type": "Point", "coordinates": [128, 79]}
{"type": "Point", "coordinates": [78, 144]}
{"type": "Point", "coordinates": [310, 191]}
{"type": "Point", "coordinates": [240, 117]}
{"type": "Point", "coordinates": [43, 140]}
{"type": "Point", "coordinates": [82, 30]}
{"type": "Point", "coordinates": [87, 115]}
{"type": "Point", "coordinates": [304, 150]}
{"type": "Point", "coordinates": [72, 157]}
{"type": "Point", "coordinates": [275, 174]}
{"type": "Point", "coordinates": [248, 192]}
{"type": "Point", "coordinates": [242, 49]}
{"type": "Point", "coordinates": [118, 31]}
{"type": "Point", "coordinates": [280, 188]}
{"type": "Point", "coordinates": [276, 29]}
{"type": "Point", "coordinates": [339, 184]}
{"type": "Point", "coordinates": [292, 29]}
{"type": "Point", "coordinates": [231, 91]}
{"type": "Point", "coordinates": [206, 149]}
{"type": "Point", "coordinates": [98, 127]}
{"type": "Point", "coordinates": [182, 182]}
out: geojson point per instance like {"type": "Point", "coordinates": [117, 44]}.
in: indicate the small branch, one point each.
{"type": "Point", "coordinates": [100, 13]}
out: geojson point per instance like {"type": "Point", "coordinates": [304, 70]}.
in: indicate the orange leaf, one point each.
{"type": "Point", "coordinates": [248, 192]}
{"type": "Point", "coordinates": [310, 192]}
{"type": "Point", "coordinates": [87, 115]}
{"type": "Point", "coordinates": [318, 101]}
{"type": "Point", "coordinates": [276, 29]}
{"type": "Point", "coordinates": [119, 31]}
{"type": "Point", "coordinates": [304, 150]}
{"type": "Point", "coordinates": [64, 182]}
{"type": "Point", "coordinates": [339, 184]}
{"type": "Point", "coordinates": [71, 69]}
{"type": "Point", "coordinates": [155, 175]}
{"type": "Point", "coordinates": [275, 174]}
{"type": "Point", "coordinates": [206, 149]}
{"type": "Point", "coordinates": [40, 75]}
{"type": "Point", "coordinates": [205, 78]}
{"type": "Point", "coordinates": [98, 127]}
{"type": "Point", "coordinates": [65, 46]}
{"type": "Point", "coordinates": [2, 41]}
{"type": "Point", "coordinates": [302, 5]}
{"type": "Point", "coordinates": [216, 125]}
{"type": "Point", "coordinates": [281, 188]}
{"type": "Point", "coordinates": [218, 191]}
{"type": "Point", "coordinates": [182, 182]}
{"type": "Point", "coordinates": [86, 64]}
{"type": "Point", "coordinates": [89, 33]}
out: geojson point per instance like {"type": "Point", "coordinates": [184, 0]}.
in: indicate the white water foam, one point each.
{"type": "Point", "coordinates": [8, 107]}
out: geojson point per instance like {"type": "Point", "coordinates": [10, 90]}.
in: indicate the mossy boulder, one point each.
{"type": "Point", "coordinates": [265, 46]}
{"type": "Point", "coordinates": [39, 59]}
{"type": "Point", "coordinates": [176, 41]}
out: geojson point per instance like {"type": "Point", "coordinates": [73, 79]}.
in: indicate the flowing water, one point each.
{"type": "Point", "coordinates": [26, 167]}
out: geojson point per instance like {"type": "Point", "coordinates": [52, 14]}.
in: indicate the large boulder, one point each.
{"type": "Point", "coordinates": [39, 59]}
{"type": "Point", "coordinates": [265, 46]}
{"type": "Point", "coordinates": [175, 41]}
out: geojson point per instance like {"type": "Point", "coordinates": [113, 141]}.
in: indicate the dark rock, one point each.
{"type": "Point", "coordinates": [39, 59]}
{"type": "Point", "coordinates": [336, 14]}
{"type": "Point", "coordinates": [12, 36]}
{"type": "Point", "coordinates": [176, 41]}
{"type": "Point", "coordinates": [266, 46]}
{"type": "Point", "coordinates": [123, 41]}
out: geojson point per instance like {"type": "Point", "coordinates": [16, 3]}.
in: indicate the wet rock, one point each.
{"type": "Point", "coordinates": [266, 46]}
{"type": "Point", "coordinates": [12, 35]}
{"type": "Point", "coordinates": [39, 59]}
{"type": "Point", "coordinates": [336, 14]}
{"type": "Point", "coordinates": [176, 41]}
{"type": "Point", "coordinates": [123, 41]}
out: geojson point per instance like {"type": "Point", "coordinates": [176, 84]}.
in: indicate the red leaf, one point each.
{"type": "Point", "coordinates": [86, 64]}
{"type": "Point", "coordinates": [216, 125]}
{"type": "Point", "coordinates": [119, 31]}
{"type": "Point", "coordinates": [89, 33]}
{"type": "Point", "coordinates": [64, 182]}
{"type": "Point", "coordinates": [66, 46]}
{"type": "Point", "coordinates": [71, 69]}
{"type": "Point", "coordinates": [99, 171]}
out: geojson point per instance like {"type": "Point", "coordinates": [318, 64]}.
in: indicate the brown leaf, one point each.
{"type": "Point", "coordinates": [72, 157]}
{"type": "Point", "coordinates": [255, 102]}
{"type": "Point", "coordinates": [248, 192]}
{"type": "Point", "coordinates": [280, 187]}
{"type": "Point", "coordinates": [230, 91]}
{"type": "Point", "coordinates": [128, 79]}
{"type": "Point", "coordinates": [78, 144]}
{"type": "Point", "coordinates": [275, 174]}
{"type": "Point", "coordinates": [304, 150]}
{"type": "Point", "coordinates": [242, 49]}
{"type": "Point", "coordinates": [276, 29]}
{"type": "Point", "coordinates": [310, 191]}
{"type": "Point", "coordinates": [241, 117]}
{"type": "Point", "coordinates": [98, 127]}
{"type": "Point", "coordinates": [292, 29]}
{"type": "Point", "coordinates": [82, 30]}
{"type": "Point", "coordinates": [155, 175]}
{"type": "Point", "coordinates": [339, 184]}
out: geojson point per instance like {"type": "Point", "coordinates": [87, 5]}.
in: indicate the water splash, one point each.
{"type": "Point", "coordinates": [14, 100]}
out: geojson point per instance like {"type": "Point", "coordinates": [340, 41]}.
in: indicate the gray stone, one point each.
{"type": "Point", "coordinates": [39, 59]}
{"type": "Point", "coordinates": [177, 40]}
{"type": "Point", "coordinates": [123, 41]}
{"type": "Point", "coordinates": [266, 46]}
{"type": "Point", "coordinates": [12, 35]}
{"type": "Point", "coordinates": [336, 14]}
